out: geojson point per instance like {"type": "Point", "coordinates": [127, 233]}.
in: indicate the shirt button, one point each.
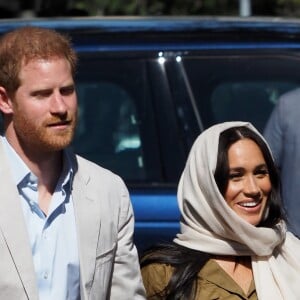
{"type": "Point", "coordinates": [46, 275]}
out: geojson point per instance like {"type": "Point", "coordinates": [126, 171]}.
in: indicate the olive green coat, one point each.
{"type": "Point", "coordinates": [213, 282]}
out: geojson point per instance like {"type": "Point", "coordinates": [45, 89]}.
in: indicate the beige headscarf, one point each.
{"type": "Point", "coordinates": [208, 224]}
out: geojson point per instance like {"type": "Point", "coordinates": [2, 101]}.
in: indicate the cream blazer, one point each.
{"type": "Point", "coordinates": [109, 267]}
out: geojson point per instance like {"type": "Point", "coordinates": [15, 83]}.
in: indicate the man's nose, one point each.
{"type": "Point", "coordinates": [58, 105]}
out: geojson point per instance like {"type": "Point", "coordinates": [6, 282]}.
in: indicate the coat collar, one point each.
{"type": "Point", "coordinates": [87, 215]}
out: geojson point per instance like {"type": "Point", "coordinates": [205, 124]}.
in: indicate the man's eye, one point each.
{"type": "Point", "coordinates": [67, 91]}
{"type": "Point", "coordinates": [41, 94]}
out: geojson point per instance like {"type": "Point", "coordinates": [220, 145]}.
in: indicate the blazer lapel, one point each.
{"type": "Point", "coordinates": [14, 230]}
{"type": "Point", "coordinates": [88, 228]}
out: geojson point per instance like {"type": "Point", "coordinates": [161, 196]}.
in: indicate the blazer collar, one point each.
{"type": "Point", "coordinates": [87, 215]}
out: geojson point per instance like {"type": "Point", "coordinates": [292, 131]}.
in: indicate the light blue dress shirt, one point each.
{"type": "Point", "coordinates": [53, 237]}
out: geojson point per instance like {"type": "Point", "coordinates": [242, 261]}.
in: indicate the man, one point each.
{"type": "Point", "coordinates": [283, 135]}
{"type": "Point", "coordinates": [66, 224]}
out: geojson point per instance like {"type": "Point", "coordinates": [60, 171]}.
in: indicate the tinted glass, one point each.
{"type": "Point", "coordinates": [242, 88]}
{"type": "Point", "coordinates": [115, 120]}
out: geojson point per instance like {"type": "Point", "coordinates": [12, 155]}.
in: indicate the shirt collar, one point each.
{"type": "Point", "coordinates": [20, 170]}
{"type": "Point", "coordinates": [18, 167]}
{"type": "Point", "coordinates": [66, 177]}
{"type": "Point", "coordinates": [215, 274]}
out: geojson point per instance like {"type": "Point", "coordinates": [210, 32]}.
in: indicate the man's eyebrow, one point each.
{"type": "Point", "coordinates": [41, 91]}
{"type": "Point", "coordinates": [68, 86]}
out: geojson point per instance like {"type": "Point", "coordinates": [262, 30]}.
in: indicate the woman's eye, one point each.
{"type": "Point", "coordinates": [262, 172]}
{"type": "Point", "coordinates": [233, 176]}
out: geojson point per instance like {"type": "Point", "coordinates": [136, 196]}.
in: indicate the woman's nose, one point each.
{"type": "Point", "coordinates": [251, 187]}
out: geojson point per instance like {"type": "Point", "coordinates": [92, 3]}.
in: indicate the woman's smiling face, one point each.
{"type": "Point", "coordinates": [249, 183]}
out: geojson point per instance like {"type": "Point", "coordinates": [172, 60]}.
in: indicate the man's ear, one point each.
{"type": "Point", "coordinates": [5, 102]}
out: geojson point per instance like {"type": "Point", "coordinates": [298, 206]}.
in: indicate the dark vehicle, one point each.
{"type": "Point", "coordinates": [148, 87]}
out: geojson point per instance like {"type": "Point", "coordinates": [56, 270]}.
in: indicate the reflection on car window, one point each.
{"type": "Point", "coordinates": [117, 127]}
{"type": "Point", "coordinates": [108, 131]}
{"type": "Point", "coordinates": [240, 88]}
{"type": "Point", "coordinates": [246, 100]}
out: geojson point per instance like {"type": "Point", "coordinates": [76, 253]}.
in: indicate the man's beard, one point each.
{"type": "Point", "coordinates": [43, 138]}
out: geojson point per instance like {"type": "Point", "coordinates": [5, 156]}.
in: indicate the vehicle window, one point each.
{"type": "Point", "coordinates": [244, 88]}
{"type": "Point", "coordinates": [114, 130]}
{"type": "Point", "coordinates": [246, 100]}
{"type": "Point", "coordinates": [108, 131]}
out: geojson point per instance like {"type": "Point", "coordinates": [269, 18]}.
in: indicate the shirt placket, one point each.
{"type": "Point", "coordinates": [45, 236]}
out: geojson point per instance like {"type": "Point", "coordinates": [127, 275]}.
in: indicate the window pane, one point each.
{"type": "Point", "coordinates": [246, 100]}
{"type": "Point", "coordinates": [115, 123]}
{"type": "Point", "coordinates": [228, 88]}
{"type": "Point", "coordinates": [108, 133]}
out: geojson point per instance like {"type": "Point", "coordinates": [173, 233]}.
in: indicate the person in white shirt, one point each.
{"type": "Point", "coordinates": [66, 224]}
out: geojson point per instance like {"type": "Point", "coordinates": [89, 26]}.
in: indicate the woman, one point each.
{"type": "Point", "coordinates": [233, 242]}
